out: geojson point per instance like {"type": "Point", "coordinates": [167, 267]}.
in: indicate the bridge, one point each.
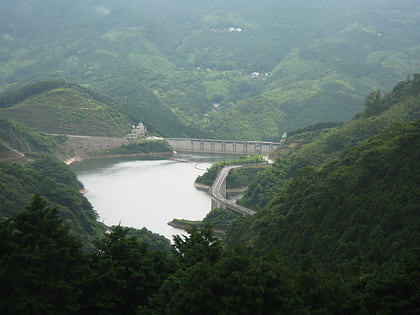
{"type": "Point", "coordinates": [218, 193]}
{"type": "Point", "coordinates": [222, 146]}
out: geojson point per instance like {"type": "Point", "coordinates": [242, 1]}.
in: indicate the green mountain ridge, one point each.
{"type": "Point", "coordinates": [401, 104]}
{"type": "Point", "coordinates": [181, 70]}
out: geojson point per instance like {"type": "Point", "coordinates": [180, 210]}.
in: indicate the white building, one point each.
{"type": "Point", "coordinates": [136, 132]}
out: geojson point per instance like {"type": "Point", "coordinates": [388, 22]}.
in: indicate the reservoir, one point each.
{"type": "Point", "coordinates": [149, 193]}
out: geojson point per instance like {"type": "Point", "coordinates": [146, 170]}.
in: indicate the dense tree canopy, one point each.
{"type": "Point", "coordinates": [40, 263]}
{"type": "Point", "coordinates": [338, 234]}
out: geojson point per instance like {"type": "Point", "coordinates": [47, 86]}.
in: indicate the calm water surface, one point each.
{"type": "Point", "coordinates": [146, 193]}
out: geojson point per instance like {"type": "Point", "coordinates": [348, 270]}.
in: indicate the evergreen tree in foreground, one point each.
{"type": "Point", "coordinates": [39, 263]}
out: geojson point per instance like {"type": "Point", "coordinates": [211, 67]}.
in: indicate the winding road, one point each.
{"type": "Point", "coordinates": [217, 192]}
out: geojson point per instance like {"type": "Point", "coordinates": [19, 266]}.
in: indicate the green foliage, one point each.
{"type": "Point", "coordinates": [167, 64]}
{"type": "Point", "coordinates": [220, 218]}
{"type": "Point", "coordinates": [364, 204]}
{"type": "Point", "coordinates": [373, 104]}
{"type": "Point", "coordinates": [199, 245]}
{"type": "Point", "coordinates": [39, 263]}
{"type": "Point", "coordinates": [25, 139]}
{"type": "Point", "coordinates": [154, 241]}
{"type": "Point", "coordinates": [44, 271]}
{"type": "Point", "coordinates": [145, 106]}
{"type": "Point", "coordinates": [402, 104]}
{"type": "Point", "coordinates": [316, 127]}
{"type": "Point", "coordinates": [350, 202]}
{"type": "Point", "coordinates": [51, 167]}
{"type": "Point", "coordinates": [69, 109]}
{"type": "Point", "coordinates": [124, 274]}
{"type": "Point", "coordinates": [54, 180]}
{"type": "Point", "coordinates": [234, 284]}
{"type": "Point", "coordinates": [8, 99]}
{"type": "Point", "coordinates": [144, 146]}
{"type": "Point", "coordinates": [242, 177]}
{"type": "Point", "coordinates": [211, 174]}
{"type": "Point", "coordinates": [393, 288]}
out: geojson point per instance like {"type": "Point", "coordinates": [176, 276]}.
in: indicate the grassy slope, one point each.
{"type": "Point", "coordinates": [69, 110]}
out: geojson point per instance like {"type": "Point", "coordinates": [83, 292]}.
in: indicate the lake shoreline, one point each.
{"type": "Point", "coordinates": [230, 190]}
{"type": "Point", "coordinates": [110, 156]}
{"type": "Point", "coordinates": [186, 224]}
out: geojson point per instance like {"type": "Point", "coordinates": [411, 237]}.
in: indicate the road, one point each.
{"type": "Point", "coordinates": [217, 194]}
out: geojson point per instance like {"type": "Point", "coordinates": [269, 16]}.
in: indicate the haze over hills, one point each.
{"type": "Point", "coordinates": [235, 69]}
{"type": "Point", "coordinates": [336, 229]}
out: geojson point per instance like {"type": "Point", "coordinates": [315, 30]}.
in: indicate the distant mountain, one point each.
{"type": "Point", "coordinates": [226, 69]}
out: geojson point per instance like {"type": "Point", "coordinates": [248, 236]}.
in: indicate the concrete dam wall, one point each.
{"type": "Point", "coordinates": [222, 146]}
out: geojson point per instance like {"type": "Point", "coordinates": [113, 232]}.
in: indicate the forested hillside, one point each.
{"type": "Point", "coordinates": [337, 226]}
{"type": "Point", "coordinates": [54, 180]}
{"type": "Point", "coordinates": [339, 235]}
{"type": "Point", "coordinates": [380, 111]}
{"type": "Point", "coordinates": [365, 204]}
{"type": "Point", "coordinates": [24, 139]}
{"type": "Point", "coordinates": [232, 69]}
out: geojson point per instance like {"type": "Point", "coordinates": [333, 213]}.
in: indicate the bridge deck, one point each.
{"type": "Point", "coordinates": [216, 192]}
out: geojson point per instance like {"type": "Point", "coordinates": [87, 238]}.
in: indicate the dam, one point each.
{"type": "Point", "coordinates": [222, 146]}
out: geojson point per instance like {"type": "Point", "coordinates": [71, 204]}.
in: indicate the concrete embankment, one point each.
{"type": "Point", "coordinates": [81, 146]}
{"type": "Point", "coordinates": [78, 148]}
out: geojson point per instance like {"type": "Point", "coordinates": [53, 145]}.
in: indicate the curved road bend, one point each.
{"type": "Point", "coordinates": [215, 192]}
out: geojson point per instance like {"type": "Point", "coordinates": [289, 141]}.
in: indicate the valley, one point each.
{"type": "Point", "coordinates": [95, 97]}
